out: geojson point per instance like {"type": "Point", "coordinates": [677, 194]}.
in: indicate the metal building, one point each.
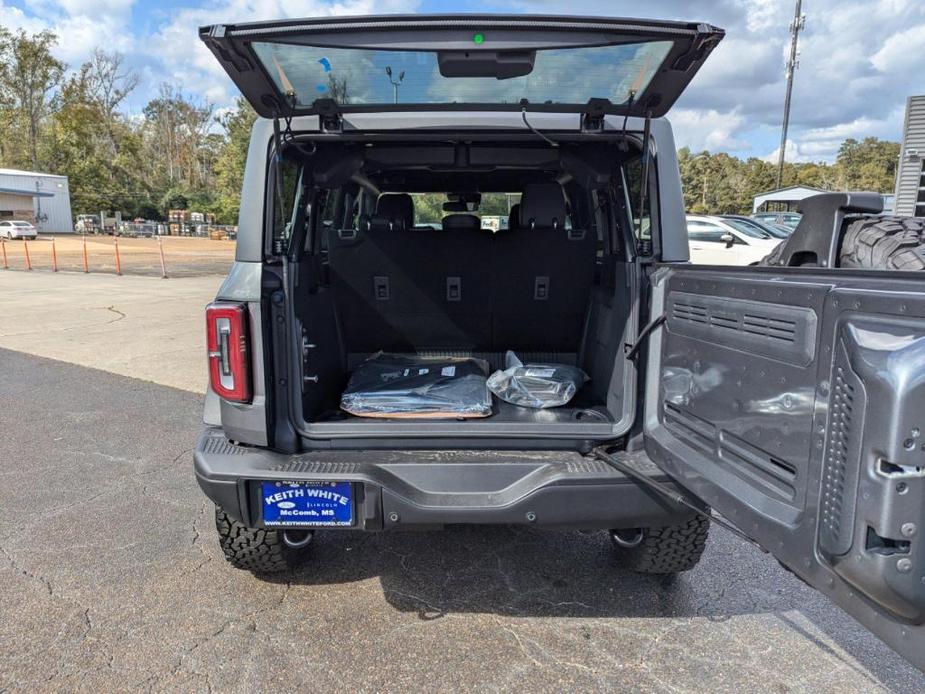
{"type": "Point", "coordinates": [783, 199]}
{"type": "Point", "coordinates": [910, 181]}
{"type": "Point", "coordinates": [41, 198]}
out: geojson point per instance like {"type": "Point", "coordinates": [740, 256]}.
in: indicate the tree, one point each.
{"type": "Point", "coordinates": [229, 165]}
{"type": "Point", "coordinates": [28, 75]}
{"type": "Point", "coordinates": [108, 83]}
{"type": "Point", "coordinates": [178, 150]}
{"type": "Point", "coordinates": [867, 165]}
{"type": "Point", "coordinates": [337, 89]}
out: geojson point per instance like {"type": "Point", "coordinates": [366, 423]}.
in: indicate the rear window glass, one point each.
{"type": "Point", "coordinates": [357, 76]}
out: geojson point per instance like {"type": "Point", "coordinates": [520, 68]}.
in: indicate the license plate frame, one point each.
{"type": "Point", "coordinates": [307, 504]}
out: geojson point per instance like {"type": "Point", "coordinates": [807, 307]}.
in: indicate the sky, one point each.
{"type": "Point", "coordinates": [859, 59]}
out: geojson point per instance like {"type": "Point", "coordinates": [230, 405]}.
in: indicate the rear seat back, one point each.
{"type": "Point", "coordinates": [401, 288]}
{"type": "Point", "coordinates": [541, 275]}
{"type": "Point", "coordinates": [363, 265]}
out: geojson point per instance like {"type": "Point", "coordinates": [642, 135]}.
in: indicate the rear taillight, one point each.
{"type": "Point", "coordinates": [226, 340]}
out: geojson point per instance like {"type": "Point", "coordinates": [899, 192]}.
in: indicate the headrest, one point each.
{"type": "Point", "coordinates": [513, 217]}
{"type": "Point", "coordinates": [542, 206]}
{"type": "Point", "coordinates": [461, 221]}
{"type": "Point", "coordinates": [395, 210]}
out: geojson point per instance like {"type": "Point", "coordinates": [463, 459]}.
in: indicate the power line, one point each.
{"type": "Point", "coordinates": [796, 26]}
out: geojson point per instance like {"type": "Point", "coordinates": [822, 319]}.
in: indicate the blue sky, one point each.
{"type": "Point", "coordinates": [859, 59]}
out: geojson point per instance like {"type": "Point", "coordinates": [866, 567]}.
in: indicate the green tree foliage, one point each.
{"type": "Point", "coordinates": [229, 165]}
{"type": "Point", "coordinates": [867, 165]}
{"type": "Point", "coordinates": [722, 184]}
{"type": "Point", "coordinates": [29, 74]}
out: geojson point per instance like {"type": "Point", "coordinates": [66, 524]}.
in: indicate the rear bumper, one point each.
{"type": "Point", "coordinates": [416, 489]}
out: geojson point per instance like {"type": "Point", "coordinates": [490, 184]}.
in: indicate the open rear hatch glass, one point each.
{"type": "Point", "coordinates": [456, 62]}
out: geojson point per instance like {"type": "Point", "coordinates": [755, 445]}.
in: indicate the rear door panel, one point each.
{"type": "Point", "coordinates": [793, 402]}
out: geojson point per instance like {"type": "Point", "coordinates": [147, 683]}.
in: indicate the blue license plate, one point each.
{"type": "Point", "coordinates": [307, 503]}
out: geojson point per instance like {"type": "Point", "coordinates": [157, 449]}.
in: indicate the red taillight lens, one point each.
{"type": "Point", "coordinates": [226, 340]}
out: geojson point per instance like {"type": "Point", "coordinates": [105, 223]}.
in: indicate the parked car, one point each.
{"type": "Point", "coordinates": [718, 241]}
{"type": "Point", "coordinates": [786, 398]}
{"type": "Point", "coordinates": [17, 229]}
{"type": "Point", "coordinates": [773, 230]}
{"type": "Point", "coordinates": [787, 219]}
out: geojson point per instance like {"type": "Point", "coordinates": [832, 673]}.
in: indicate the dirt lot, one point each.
{"type": "Point", "coordinates": [183, 256]}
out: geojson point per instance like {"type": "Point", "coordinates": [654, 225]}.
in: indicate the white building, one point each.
{"type": "Point", "coordinates": [910, 181]}
{"type": "Point", "coordinates": [41, 198]}
{"type": "Point", "coordinates": [783, 199]}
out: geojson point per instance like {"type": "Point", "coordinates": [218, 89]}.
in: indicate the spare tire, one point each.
{"type": "Point", "coordinates": [884, 243]}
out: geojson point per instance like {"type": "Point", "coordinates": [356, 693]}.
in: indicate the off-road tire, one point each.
{"type": "Point", "coordinates": [668, 549]}
{"type": "Point", "coordinates": [884, 243]}
{"type": "Point", "coordinates": [259, 550]}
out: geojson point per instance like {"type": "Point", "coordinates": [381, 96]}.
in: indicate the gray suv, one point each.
{"type": "Point", "coordinates": [788, 397]}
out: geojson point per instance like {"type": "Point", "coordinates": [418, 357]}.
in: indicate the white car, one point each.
{"type": "Point", "coordinates": [722, 241]}
{"type": "Point", "coordinates": [17, 229]}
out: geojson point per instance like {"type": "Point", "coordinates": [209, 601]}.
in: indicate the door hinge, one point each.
{"type": "Point", "coordinates": [631, 351]}
{"type": "Point", "coordinates": [704, 41]}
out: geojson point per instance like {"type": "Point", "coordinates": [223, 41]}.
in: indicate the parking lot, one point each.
{"type": "Point", "coordinates": [111, 577]}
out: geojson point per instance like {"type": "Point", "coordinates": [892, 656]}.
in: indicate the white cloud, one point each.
{"type": "Point", "coordinates": [708, 129]}
{"type": "Point", "coordinates": [901, 51]}
{"type": "Point", "coordinates": [801, 153]}
{"type": "Point", "coordinates": [14, 18]}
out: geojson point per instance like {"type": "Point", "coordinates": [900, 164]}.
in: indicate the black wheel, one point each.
{"type": "Point", "coordinates": [260, 550]}
{"type": "Point", "coordinates": [668, 549]}
{"type": "Point", "coordinates": [885, 243]}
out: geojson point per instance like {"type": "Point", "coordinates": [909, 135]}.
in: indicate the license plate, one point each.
{"type": "Point", "coordinates": [307, 503]}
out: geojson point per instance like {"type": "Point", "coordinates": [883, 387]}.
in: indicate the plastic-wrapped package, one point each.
{"type": "Point", "coordinates": [539, 386]}
{"type": "Point", "coordinates": [394, 385]}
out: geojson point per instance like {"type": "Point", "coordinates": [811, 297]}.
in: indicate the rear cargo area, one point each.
{"type": "Point", "coordinates": [552, 287]}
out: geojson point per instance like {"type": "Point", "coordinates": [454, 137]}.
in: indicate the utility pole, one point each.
{"type": "Point", "coordinates": [395, 84]}
{"type": "Point", "coordinates": [796, 26]}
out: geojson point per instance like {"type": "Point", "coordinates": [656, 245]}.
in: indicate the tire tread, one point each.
{"type": "Point", "coordinates": [667, 549]}
{"type": "Point", "coordinates": [259, 550]}
{"type": "Point", "coordinates": [885, 243]}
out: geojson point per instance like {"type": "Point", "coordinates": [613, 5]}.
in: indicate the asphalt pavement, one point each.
{"type": "Point", "coordinates": [111, 579]}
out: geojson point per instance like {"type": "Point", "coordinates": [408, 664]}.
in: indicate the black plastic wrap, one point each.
{"type": "Point", "coordinates": [393, 385]}
{"type": "Point", "coordinates": [539, 386]}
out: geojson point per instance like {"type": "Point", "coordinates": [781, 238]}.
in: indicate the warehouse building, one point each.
{"type": "Point", "coordinates": [40, 198]}
{"type": "Point", "coordinates": [783, 199]}
{"type": "Point", "coordinates": [910, 181]}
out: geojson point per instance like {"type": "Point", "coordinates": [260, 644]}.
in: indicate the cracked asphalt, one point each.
{"type": "Point", "coordinates": [111, 579]}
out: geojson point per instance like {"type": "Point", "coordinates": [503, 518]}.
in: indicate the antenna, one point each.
{"type": "Point", "coordinates": [796, 26]}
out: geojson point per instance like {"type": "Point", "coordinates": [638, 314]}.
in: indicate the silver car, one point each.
{"type": "Point", "coordinates": [17, 229]}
